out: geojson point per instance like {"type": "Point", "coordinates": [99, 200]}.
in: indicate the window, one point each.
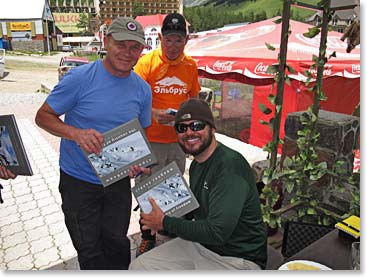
{"type": "Point", "coordinates": [318, 21]}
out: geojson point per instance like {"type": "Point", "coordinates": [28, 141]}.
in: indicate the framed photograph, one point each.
{"type": "Point", "coordinates": [170, 191]}
{"type": "Point", "coordinates": [123, 146]}
{"type": "Point", "coordinates": [12, 152]}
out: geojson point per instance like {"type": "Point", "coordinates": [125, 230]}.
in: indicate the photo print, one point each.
{"type": "Point", "coordinates": [7, 153]}
{"type": "Point", "coordinates": [123, 146]}
{"type": "Point", "coordinates": [169, 189]}
{"type": "Point", "coordinates": [12, 151]}
{"type": "Point", "coordinates": [167, 194]}
{"type": "Point", "coordinates": [119, 154]}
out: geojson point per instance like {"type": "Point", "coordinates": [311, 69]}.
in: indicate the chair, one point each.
{"type": "Point", "coordinates": [275, 259]}
{"type": "Point", "coordinates": [299, 235]}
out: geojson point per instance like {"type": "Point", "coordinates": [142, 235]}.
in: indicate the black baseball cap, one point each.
{"type": "Point", "coordinates": [174, 23]}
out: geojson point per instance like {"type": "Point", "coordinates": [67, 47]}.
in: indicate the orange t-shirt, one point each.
{"type": "Point", "coordinates": [178, 84]}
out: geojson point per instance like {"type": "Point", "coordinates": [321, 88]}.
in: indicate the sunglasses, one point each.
{"type": "Point", "coordinates": [194, 126]}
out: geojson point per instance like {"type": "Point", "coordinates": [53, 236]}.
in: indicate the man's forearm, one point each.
{"type": "Point", "coordinates": [53, 124]}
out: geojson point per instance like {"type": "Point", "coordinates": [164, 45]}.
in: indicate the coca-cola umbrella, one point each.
{"type": "Point", "coordinates": [240, 54]}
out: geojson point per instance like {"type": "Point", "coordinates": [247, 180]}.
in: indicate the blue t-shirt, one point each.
{"type": "Point", "coordinates": [92, 98]}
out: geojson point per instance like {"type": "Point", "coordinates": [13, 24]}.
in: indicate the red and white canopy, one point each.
{"type": "Point", "coordinates": [240, 54]}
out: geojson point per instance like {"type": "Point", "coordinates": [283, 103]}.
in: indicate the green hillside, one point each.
{"type": "Point", "coordinates": [273, 7]}
{"type": "Point", "coordinates": [217, 13]}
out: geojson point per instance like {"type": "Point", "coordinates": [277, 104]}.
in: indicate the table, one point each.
{"type": "Point", "coordinates": [331, 250]}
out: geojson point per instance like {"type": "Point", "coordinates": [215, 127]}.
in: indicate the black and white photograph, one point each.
{"type": "Point", "coordinates": [170, 191]}
{"type": "Point", "coordinates": [167, 194]}
{"type": "Point", "coordinates": [120, 154]}
{"type": "Point", "coordinates": [124, 146]}
{"type": "Point", "coordinates": [7, 153]}
{"type": "Point", "coordinates": [12, 152]}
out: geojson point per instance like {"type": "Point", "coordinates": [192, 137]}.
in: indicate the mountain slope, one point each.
{"type": "Point", "coordinates": [194, 3]}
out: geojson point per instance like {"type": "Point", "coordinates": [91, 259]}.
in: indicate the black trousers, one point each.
{"type": "Point", "coordinates": [97, 219]}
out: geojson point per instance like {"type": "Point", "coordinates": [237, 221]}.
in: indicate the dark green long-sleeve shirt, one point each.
{"type": "Point", "coordinates": [229, 220]}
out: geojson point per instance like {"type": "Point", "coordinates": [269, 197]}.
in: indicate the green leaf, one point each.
{"type": "Point", "coordinates": [313, 117]}
{"type": "Point", "coordinates": [271, 98]}
{"type": "Point", "coordinates": [332, 55]}
{"type": "Point", "coordinates": [323, 165]}
{"type": "Point", "coordinates": [315, 59]}
{"type": "Point", "coordinates": [270, 47]}
{"type": "Point", "coordinates": [264, 109]}
{"type": "Point", "coordinates": [287, 161]}
{"type": "Point", "coordinates": [291, 69]}
{"type": "Point", "coordinates": [322, 96]}
{"type": "Point", "coordinates": [308, 74]}
{"type": "Point", "coordinates": [321, 62]}
{"type": "Point", "coordinates": [278, 21]}
{"type": "Point", "coordinates": [289, 187]}
{"type": "Point", "coordinates": [271, 124]}
{"type": "Point", "coordinates": [313, 203]}
{"type": "Point", "coordinates": [303, 156]}
{"type": "Point", "coordinates": [312, 32]}
{"type": "Point", "coordinates": [276, 78]}
{"type": "Point", "coordinates": [263, 122]}
{"type": "Point", "coordinates": [287, 81]}
{"type": "Point", "coordinates": [278, 108]}
{"type": "Point", "coordinates": [273, 69]}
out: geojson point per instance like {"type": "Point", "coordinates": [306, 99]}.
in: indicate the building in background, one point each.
{"type": "Point", "coordinates": [110, 9]}
{"type": "Point", "coordinates": [104, 11]}
{"type": "Point", "coordinates": [152, 26]}
{"type": "Point", "coordinates": [342, 18]}
{"type": "Point", "coordinates": [73, 6]}
{"type": "Point", "coordinates": [41, 25]}
{"type": "Point", "coordinates": [27, 25]}
{"type": "Point", "coordinates": [67, 15]}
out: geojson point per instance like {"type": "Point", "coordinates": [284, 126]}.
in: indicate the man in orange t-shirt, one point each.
{"type": "Point", "coordinates": [173, 77]}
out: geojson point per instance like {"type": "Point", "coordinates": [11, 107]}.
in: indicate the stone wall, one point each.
{"type": "Point", "coordinates": [339, 135]}
{"type": "Point", "coordinates": [31, 45]}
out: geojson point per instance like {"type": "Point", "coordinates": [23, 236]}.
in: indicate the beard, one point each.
{"type": "Point", "coordinates": [205, 142]}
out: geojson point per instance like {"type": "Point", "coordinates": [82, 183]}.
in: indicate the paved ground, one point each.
{"type": "Point", "coordinates": [33, 235]}
{"type": "Point", "coordinates": [32, 230]}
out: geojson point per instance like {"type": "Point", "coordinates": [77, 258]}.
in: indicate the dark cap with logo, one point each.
{"type": "Point", "coordinates": [174, 23]}
{"type": "Point", "coordinates": [195, 109]}
{"type": "Point", "coordinates": [126, 28]}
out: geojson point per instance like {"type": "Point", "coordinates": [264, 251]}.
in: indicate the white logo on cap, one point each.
{"type": "Point", "coordinates": [186, 116]}
{"type": "Point", "coordinates": [174, 20]}
{"type": "Point", "coordinates": [131, 26]}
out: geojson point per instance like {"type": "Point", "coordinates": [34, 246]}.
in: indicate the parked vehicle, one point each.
{"type": "Point", "coordinates": [66, 48]}
{"type": "Point", "coordinates": [67, 63]}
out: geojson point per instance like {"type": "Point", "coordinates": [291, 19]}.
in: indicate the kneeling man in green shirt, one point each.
{"type": "Point", "coordinates": [227, 230]}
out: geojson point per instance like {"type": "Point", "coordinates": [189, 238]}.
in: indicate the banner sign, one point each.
{"type": "Point", "coordinates": [66, 22]}
{"type": "Point", "coordinates": [20, 26]}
